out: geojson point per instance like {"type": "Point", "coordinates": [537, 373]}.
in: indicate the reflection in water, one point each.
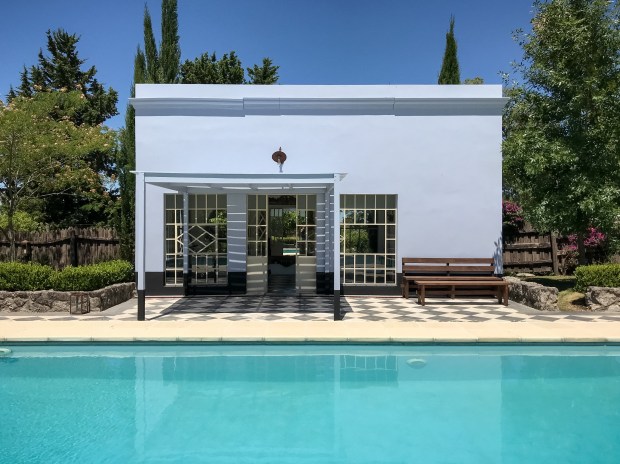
{"type": "Point", "coordinates": [343, 406]}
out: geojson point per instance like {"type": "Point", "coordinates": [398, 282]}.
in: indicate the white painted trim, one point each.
{"type": "Point", "coordinates": [140, 229]}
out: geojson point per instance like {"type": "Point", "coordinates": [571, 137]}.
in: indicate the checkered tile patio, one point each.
{"type": "Point", "coordinates": [279, 308]}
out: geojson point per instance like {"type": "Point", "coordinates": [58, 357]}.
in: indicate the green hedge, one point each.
{"type": "Point", "coordinates": [597, 275]}
{"type": "Point", "coordinates": [19, 276]}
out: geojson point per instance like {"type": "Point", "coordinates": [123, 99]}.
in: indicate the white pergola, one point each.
{"type": "Point", "coordinates": [186, 183]}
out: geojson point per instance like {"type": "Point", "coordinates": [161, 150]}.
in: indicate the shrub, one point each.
{"type": "Point", "coordinates": [92, 277]}
{"type": "Point", "coordinates": [597, 275]}
{"type": "Point", "coordinates": [21, 276]}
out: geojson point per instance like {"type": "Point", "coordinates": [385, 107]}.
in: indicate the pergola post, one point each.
{"type": "Point", "coordinates": [140, 243]}
{"type": "Point", "coordinates": [185, 243]}
{"type": "Point", "coordinates": [336, 249]}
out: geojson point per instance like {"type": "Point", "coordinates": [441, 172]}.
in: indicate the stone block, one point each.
{"type": "Point", "coordinates": [533, 294]}
{"type": "Point", "coordinates": [603, 299]}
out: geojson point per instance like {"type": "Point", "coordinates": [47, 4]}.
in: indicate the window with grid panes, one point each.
{"type": "Point", "coordinates": [207, 233]}
{"type": "Point", "coordinates": [368, 239]}
{"type": "Point", "coordinates": [257, 225]}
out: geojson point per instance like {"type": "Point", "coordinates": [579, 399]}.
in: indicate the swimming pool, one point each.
{"type": "Point", "coordinates": [310, 404]}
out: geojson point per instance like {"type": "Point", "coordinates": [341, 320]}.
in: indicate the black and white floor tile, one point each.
{"type": "Point", "coordinates": [292, 308]}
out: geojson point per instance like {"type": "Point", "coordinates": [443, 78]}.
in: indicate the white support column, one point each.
{"type": "Point", "coordinates": [336, 249]}
{"type": "Point", "coordinates": [185, 242]}
{"type": "Point", "coordinates": [141, 243]}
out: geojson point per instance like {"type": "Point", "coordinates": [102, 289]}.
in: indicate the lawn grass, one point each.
{"type": "Point", "coordinates": [568, 298]}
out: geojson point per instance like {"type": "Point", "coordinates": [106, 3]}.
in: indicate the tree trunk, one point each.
{"type": "Point", "coordinates": [581, 249]}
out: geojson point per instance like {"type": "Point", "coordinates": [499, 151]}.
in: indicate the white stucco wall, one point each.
{"type": "Point", "coordinates": [443, 160]}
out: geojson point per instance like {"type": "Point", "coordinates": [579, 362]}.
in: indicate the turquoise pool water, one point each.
{"type": "Point", "coordinates": [310, 404]}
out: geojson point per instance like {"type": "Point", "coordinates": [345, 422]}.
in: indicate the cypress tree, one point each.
{"type": "Point", "coordinates": [450, 73]}
{"type": "Point", "coordinates": [169, 50]}
{"type": "Point", "coordinates": [150, 50]}
{"type": "Point", "coordinates": [127, 163]}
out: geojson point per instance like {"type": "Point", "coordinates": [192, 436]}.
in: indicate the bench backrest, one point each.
{"type": "Point", "coordinates": [448, 266]}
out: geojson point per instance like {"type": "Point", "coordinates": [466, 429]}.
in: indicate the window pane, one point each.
{"type": "Point", "coordinates": [380, 217]}
{"type": "Point", "coordinates": [301, 202]}
{"type": "Point", "coordinates": [370, 201]}
{"type": "Point", "coordinates": [251, 201]}
{"type": "Point", "coordinates": [391, 201]}
{"type": "Point", "coordinates": [311, 217]}
{"type": "Point", "coordinates": [169, 201]}
{"type": "Point", "coordinates": [311, 249]}
{"type": "Point", "coordinates": [380, 201]}
{"type": "Point", "coordinates": [311, 202]}
{"type": "Point", "coordinates": [391, 231]}
{"type": "Point", "coordinates": [391, 216]}
{"type": "Point", "coordinates": [360, 202]}
{"type": "Point", "coordinates": [201, 201]}
{"type": "Point", "coordinates": [262, 202]}
{"type": "Point", "coordinates": [349, 201]}
{"type": "Point", "coordinates": [370, 217]}
{"type": "Point", "coordinates": [359, 216]}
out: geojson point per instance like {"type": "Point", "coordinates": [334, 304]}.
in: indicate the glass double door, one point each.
{"type": "Point", "coordinates": [281, 237]}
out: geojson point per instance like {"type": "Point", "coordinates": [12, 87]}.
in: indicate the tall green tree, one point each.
{"type": "Point", "coordinates": [62, 69]}
{"type": "Point", "coordinates": [90, 199]}
{"type": "Point", "coordinates": [127, 163]}
{"type": "Point", "coordinates": [562, 137]}
{"type": "Point", "coordinates": [41, 155]}
{"type": "Point", "coordinates": [450, 73]}
{"type": "Point", "coordinates": [152, 66]}
{"type": "Point", "coordinates": [170, 50]}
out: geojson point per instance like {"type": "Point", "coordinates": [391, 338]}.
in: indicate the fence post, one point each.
{"type": "Point", "coordinates": [27, 251]}
{"type": "Point", "coordinates": [554, 253]}
{"type": "Point", "coordinates": [73, 247]}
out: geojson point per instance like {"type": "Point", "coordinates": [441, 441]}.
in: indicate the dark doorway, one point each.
{"type": "Point", "coordinates": [282, 249]}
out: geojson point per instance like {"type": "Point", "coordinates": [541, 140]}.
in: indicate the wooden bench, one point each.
{"type": "Point", "coordinates": [451, 276]}
{"type": "Point", "coordinates": [500, 288]}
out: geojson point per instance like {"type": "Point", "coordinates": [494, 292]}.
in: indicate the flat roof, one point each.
{"type": "Point", "coordinates": [226, 91]}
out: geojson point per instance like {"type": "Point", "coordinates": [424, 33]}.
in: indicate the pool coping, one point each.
{"type": "Point", "coordinates": [218, 331]}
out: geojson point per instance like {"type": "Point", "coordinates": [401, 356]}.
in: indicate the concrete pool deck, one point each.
{"type": "Point", "coordinates": [553, 328]}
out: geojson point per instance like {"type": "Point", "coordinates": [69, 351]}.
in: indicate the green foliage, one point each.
{"type": "Point", "coordinates": [474, 81]}
{"type": "Point", "coordinates": [265, 74]}
{"type": "Point", "coordinates": [20, 276]}
{"type": "Point", "coordinates": [597, 275]}
{"type": "Point", "coordinates": [87, 195]}
{"type": "Point", "coordinates": [357, 239]}
{"type": "Point", "coordinates": [22, 222]}
{"type": "Point", "coordinates": [93, 277]}
{"type": "Point", "coordinates": [62, 70]}
{"type": "Point", "coordinates": [170, 51]}
{"type": "Point", "coordinates": [150, 51]}
{"type": "Point", "coordinates": [561, 128]}
{"type": "Point", "coordinates": [43, 151]}
{"type": "Point", "coordinates": [450, 73]}
{"type": "Point", "coordinates": [207, 69]}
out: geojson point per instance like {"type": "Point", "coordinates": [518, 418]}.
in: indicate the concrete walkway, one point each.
{"type": "Point", "coordinates": [367, 320]}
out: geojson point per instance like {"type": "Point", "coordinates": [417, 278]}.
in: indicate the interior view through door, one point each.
{"type": "Point", "coordinates": [282, 246]}
{"type": "Point", "coordinates": [281, 254]}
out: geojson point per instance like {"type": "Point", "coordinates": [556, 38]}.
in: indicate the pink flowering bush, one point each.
{"type": "Point", "coordinates": [593, 241]}
{"type": "Point", "coordinates": [512, 218]}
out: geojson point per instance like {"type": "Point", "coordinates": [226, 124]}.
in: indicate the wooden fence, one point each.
{"type": "Point", "coordinates": [532, 252]}
{"type": "Point", "coordinates": [529, 251]}
{"type": "Point", "coordinates": [65, 247]}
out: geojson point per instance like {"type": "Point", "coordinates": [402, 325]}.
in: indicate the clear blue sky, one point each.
{"type": "Point", "coordinates": [313, 41]}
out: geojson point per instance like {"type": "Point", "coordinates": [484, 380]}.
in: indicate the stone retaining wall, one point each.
{"type": "Point", "coordinates": [533, 294]}
{"type": "Point", "coordinates": [603, 299]}
{"type": "Point", "coordinates": [54, 301]}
